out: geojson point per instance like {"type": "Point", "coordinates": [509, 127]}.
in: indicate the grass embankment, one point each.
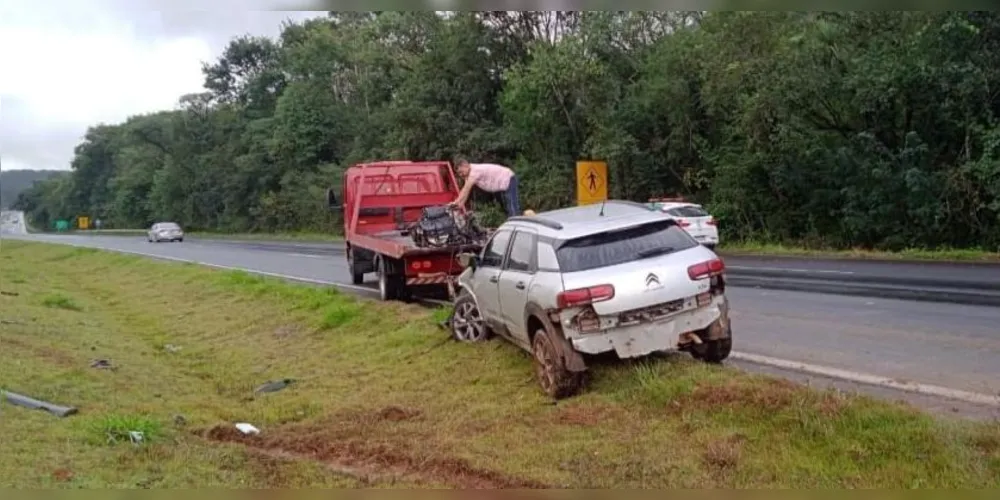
{"type": "Point", "coordinates": [380, 398]}
{"type": "Point", "coordinates": [914, 254]}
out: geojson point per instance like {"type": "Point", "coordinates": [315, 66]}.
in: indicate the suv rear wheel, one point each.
{"type": "Point", "coordinates": [550, 370]}
{"type": "Point", "coordinates": [714, 351]}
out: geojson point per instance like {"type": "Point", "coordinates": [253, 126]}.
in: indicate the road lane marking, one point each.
{"type": "Point", "coordinates": [309, 255]}
{"type": "Point", "coordinates": [868, 379]}
{"type": "Point", "coordinates": [797, 366]}
{"type": "Point", "coordinates": [790, 270]}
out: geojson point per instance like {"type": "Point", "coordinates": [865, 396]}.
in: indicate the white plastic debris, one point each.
{"type": "Point", "coordinates": [135, 436]}
{"type": "Point", "coordinates": [246, 428]}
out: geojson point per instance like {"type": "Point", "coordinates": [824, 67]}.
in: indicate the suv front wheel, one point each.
{"type": "Point", "coordinates": [467, 324]}
{"type": "Point", "coordinates": [550, 370]}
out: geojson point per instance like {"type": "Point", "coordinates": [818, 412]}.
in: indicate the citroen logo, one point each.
{"type": "Point", "coordinates": [651, 280]}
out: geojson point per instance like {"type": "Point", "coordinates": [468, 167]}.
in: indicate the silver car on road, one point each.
{"type": "Point", "coordinates": [592, 279]}
{"type": "Point", "coordinates": [164, 231]}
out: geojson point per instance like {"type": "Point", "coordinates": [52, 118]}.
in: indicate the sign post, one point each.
{"type": "Point", "coordinates": [591, 182]}
{"type": "Point", "coordinates": [83, 222]}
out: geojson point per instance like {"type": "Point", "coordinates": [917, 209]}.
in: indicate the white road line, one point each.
{"type": "Point", "coordinates": [790, 270]}
{"type": "Point", "coordinates": [825, 371]}
{"type": "Point", "coordinates": [309, 255]}
{"type": "Point", "coordinates": [867, 379]}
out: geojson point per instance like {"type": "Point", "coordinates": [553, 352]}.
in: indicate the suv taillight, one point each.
{"type": "Point", "coordinates": [584, 296]}
{"type": "Point", "coordinates": [706, 269]}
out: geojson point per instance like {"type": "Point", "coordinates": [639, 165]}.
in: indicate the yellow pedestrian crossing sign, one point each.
{"type": "Point", "coordinates": [591, 182]}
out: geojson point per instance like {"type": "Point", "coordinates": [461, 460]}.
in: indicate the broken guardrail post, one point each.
{"type": "Point", "coordinates": [34, 404]}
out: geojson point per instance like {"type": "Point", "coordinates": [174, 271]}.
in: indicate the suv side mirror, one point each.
{"type": "Point", "coordinates": [331, 200]}
{"type": "Point", "coordinates": [467, 259]}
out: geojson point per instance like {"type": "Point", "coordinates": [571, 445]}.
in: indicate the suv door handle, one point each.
{"type": "Point", "coordinates": [519, 285]}
{"type": "Point", "coordinates": [493, 279]}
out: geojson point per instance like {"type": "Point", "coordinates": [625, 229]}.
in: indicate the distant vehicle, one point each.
{"type": "Point", "coordinates": [164, 231]}
{"type": "Point", "coordinates": [397, 224]}
{"type": "Point", "coordinates": [693, 218]}
{"type": "Point", "coordinates": [591, 279]}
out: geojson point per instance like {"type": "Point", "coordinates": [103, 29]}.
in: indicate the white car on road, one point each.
{"type": "Point", "coordinates": [693, 218]}
{"type": "Point", "coordinates": [165, 231]}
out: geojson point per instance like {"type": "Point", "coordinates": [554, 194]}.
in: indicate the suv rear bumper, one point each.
{"type": "Point", "coordinates": [641, 340]}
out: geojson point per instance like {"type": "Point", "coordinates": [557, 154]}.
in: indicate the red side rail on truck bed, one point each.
{"type": "Point", "coordinates": [398, 191]}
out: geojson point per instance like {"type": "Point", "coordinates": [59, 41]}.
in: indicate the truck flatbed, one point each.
{"type": "Point", "coordinates": [397, 244]}
{"type": "Point", "coordinates": [380, 201]}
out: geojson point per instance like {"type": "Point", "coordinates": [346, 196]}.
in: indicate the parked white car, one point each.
{"type": "Point", "coordinates": [165, 231]}
{"type": "Point", "coordinates": [694, 219]}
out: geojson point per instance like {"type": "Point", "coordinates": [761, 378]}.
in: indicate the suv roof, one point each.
{"type": "Point", "coordinates": [574, 222]}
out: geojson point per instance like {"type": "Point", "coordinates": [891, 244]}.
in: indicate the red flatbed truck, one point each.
{"type": "Point", "coordinates": [380, 201]}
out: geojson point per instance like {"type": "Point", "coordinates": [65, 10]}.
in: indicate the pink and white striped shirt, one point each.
{"type": "Point", "coordinates": [490, 177]}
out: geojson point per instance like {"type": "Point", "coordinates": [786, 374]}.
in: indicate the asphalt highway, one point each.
{"type": "Point", "coordinates": [948, 345]}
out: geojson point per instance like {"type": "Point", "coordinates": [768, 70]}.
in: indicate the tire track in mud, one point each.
{"type": "Point", "coordinates": [365, 460]}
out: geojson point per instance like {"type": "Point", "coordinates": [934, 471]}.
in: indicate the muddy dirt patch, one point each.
{"type": "Point", "coordinates": [397, 414]}
{"type": "Point", "coordinates": [585, 415]}
{"type": "Point", "coordinates": [768, 396]}
{"type": "Point", "coordinates": [48, 354]}
{"type": "Point", "coordinates": [724, 454]}
{"type": "Point", "coordinates": [368, 460]}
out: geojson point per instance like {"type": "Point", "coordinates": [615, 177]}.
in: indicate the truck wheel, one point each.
{"type": "Point", "coordinates": [467, 324]}
{"type": "Point", "coordinates": [356, 277]}
{"type": "Point", "coordinates": [556, 381]}
{"type": "Point", "coordinates": [386, 287]}
{"type": "Point", "coordinates": [391, 284]}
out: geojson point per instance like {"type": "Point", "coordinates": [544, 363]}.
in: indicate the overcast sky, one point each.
{"type": "Point", "coordinates": [69, 64]}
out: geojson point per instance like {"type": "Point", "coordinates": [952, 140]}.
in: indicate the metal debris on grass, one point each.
{"type": "Point", "coordinates": [274, 386]}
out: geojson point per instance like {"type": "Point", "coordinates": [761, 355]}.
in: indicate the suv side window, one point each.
{"type": "Point", "coordinates": [495, 249]}
{"type": "Point", "coordinates": [522, 253]}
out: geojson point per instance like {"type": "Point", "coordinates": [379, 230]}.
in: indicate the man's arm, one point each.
{"type": "Point", "coordinates": [463, 195]}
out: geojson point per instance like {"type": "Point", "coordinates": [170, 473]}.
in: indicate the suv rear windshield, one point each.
{"type": "Point", "coordinates": [687, 212]}
{"type": "Point", "coordinates": [621, 246]}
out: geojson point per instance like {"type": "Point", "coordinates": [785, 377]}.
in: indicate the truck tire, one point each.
{"type": "Point", "coordinates": [391, 282]}
{"type": "Point", "coordinates": [556, 380]}
{"type": "Point", "coordinates": [356, 277]}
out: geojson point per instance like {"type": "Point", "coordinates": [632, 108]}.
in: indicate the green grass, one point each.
{"type": "Point", "coordinates": [914, 254]}
{"type": "Point", "coordinates": [60, 301]}
{"type": "Point", "coordinates": [383, 399]}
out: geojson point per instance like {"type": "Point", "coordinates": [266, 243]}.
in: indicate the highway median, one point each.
{"type": "Point", "coordinates": [375, 395]}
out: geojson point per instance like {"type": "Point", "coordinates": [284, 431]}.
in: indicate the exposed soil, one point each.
{"type": "Point", "coordinates": [585, 415]}
{"type": "Point", "coordinates": [52, 355]}
{"type": "Point", "coordinates": [62, 475]}
{"type": "Point", "coordinates": [724, 454]}
{"type": "Point", "coordinates": [768, 396]}
{"type": "Point", "coordinates": [397, 414]}
{"type": "Point", "coordinates": [370, 460]}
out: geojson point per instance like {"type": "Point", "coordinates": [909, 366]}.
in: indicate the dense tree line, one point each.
{"type": "Point", "coordinates": [14, 182]}
{"type": "Point", "coordinates": [874, 129]}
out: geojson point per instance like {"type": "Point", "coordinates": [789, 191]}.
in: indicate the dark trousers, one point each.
{"type": "Point", "coordinates": [510, 198]}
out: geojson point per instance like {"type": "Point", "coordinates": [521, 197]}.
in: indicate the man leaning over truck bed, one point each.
{"type": "Point", "coordinates": [492, 178]}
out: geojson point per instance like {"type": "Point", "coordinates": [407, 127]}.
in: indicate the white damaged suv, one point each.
{"type": "Point", "coordinates": [590, 279]}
